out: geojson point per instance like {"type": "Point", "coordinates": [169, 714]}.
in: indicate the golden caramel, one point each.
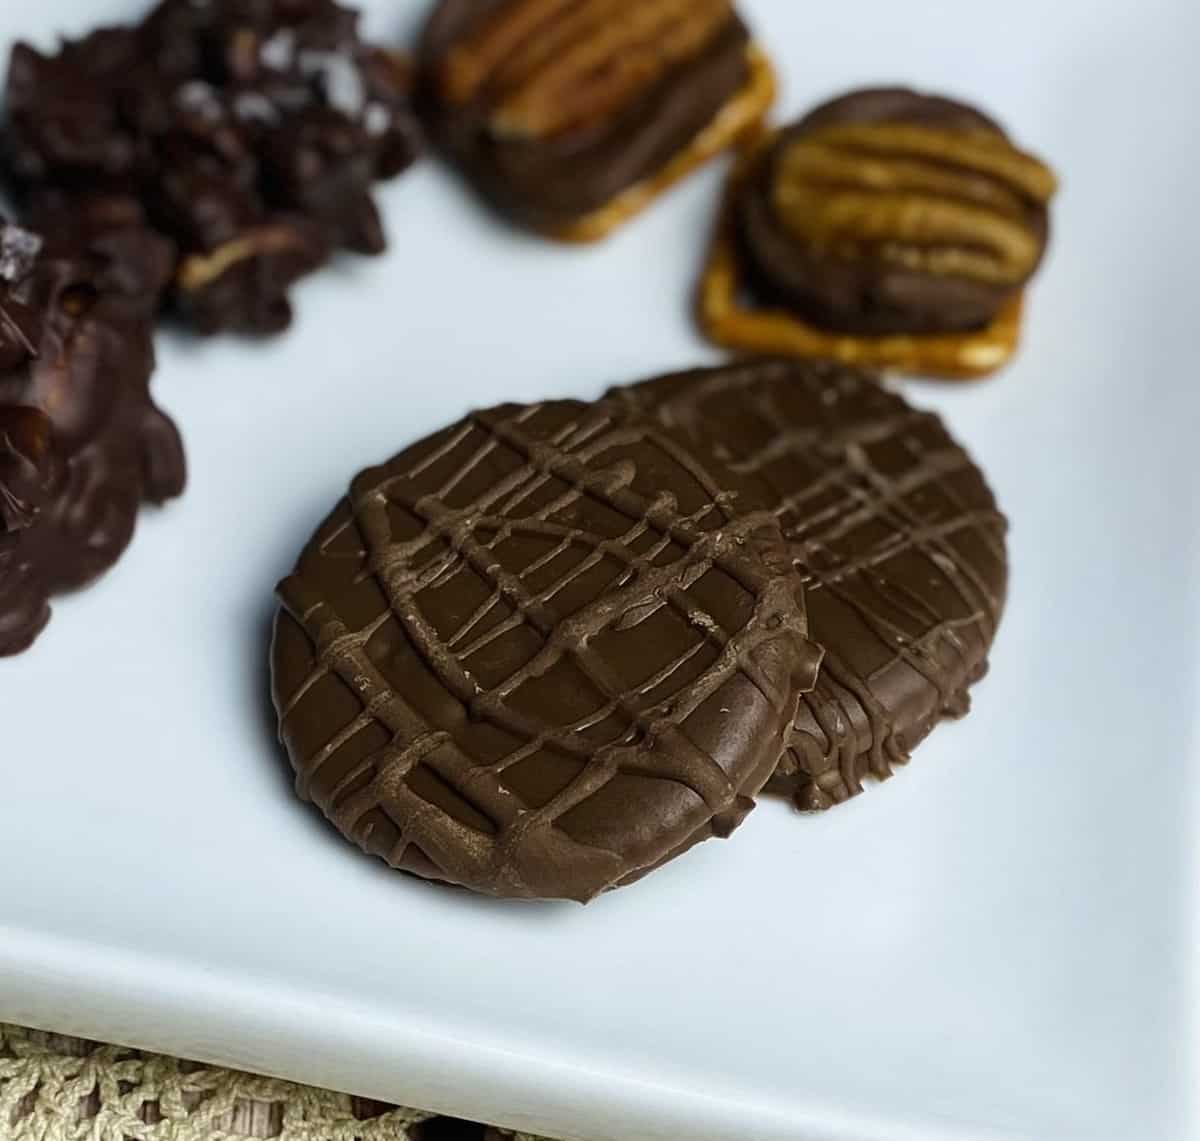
{"type": "Point", "coordinates": [947, 203]}
{"type": "Point", "coordinates": [199, 270]}
{"type": "Point", "coordinates": [732, 320]}
{"type": "Point", "coordinates": [738, 120]}
{"type": "Point", "coordinates": [549, 66]}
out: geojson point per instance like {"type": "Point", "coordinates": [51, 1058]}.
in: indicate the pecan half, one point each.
{"type": "Point", "coordinates": [950, 203]}
{"type": "Point", "coordinates": [243, 283]}
{"type": "Point", "coordinates": [548, 66]}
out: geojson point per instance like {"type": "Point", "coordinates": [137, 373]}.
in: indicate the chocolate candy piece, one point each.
{"type": "Point", "coordinates": [886, 229]}
{"type": "Point", "coordinates": [539, 653]}
{"type": "Point", "coordinates": [132, 262]}
{"type": "Point", "coordinates": [248, 131]}
{"type": "Point", "coordinates": [28, 472]}
{"type": "Point", "coordinates": [81, 441]}
{"type": "Point", "coordinates": [897, 537]}
{"type": "Point", "coordinates": [570, 115]}
{"type": "Point", "coordinates": [892, 212]}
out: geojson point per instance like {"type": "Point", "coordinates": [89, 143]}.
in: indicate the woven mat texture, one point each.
{"type": "Point", "coordinates": [54, 1088]}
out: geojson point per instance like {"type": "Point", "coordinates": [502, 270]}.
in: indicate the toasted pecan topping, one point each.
{"type": "Point", "coordinates": [469, 63]}
{"type": "Point", "coordinates": [546, 66]}
{"type": "Point", "coordinates": [200, 270]}
{"type": "Point", "coordinates": [948, 203]}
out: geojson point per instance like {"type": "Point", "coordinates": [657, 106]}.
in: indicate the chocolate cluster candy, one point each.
{"type": "Point", "coordinates": [247, 132]}
{"type": "Point", "coordinates": [82, 443]}
{"type": "Point", "coordinates": [131, 262]}
{"type": "Point", "coordinates": [895, 534]}
{"type": "Point", "coordinates": [540, 653]}
{"type": "Point", "coordinates": [887, 228]}
{"type": "Point", "coordinates": [571, 115]}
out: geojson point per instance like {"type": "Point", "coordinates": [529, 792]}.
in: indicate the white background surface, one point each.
{"type": "Point", "coordinates": [996, 943]}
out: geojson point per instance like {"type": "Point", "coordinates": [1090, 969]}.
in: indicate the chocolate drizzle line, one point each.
{"type": "Point", "coordinates": [898, 539]}
{"type": "Point", "coordinates": [561, 457]}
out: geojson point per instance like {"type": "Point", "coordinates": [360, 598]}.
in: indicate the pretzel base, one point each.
{"type": "Point", "coordinates": [733, 322]}
{"type": "Point", "coordinates": [739, 117]}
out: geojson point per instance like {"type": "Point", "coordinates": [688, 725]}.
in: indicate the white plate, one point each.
{"type": "Point", "coordinates": [996, 943]}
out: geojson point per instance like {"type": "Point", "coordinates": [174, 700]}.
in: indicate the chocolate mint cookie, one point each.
{"type": "Point", "coordinates": [539, 653]}
{"type": "Point", "coordinates": [82, 444]}
{"type": "Point", "coordinates": [897, 537]}
{"type": "Point", "coordinates": [249, 132]}
{"type": "Point", "coordinates": [571, 115]}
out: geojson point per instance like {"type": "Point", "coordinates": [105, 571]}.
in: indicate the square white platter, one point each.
{"type": "Point", "coordinates": [997, 943]}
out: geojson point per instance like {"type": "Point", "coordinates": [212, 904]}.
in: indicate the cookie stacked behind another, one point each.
{"type": "Point", "coordinates": [896, 536]}
{"type": "Point", "coordinates": [554, 646]}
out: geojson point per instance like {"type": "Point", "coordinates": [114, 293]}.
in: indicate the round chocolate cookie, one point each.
{"type": "Point", "coordinates": [898, 539]}
{"type": "Point", "coordinates": [82, 443]}
{"type": "Point", "coordinates": [539, 653]}
{"type": "Point", "coordinates": [888, 211]}
{"type": "Point", "coordinates": [553, 108]}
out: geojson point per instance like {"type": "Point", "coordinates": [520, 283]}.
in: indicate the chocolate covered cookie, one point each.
{"type": "Point", "coordinates": [887, 228]}
{"type": "Point", "coordinates": [572, 115]}
{"type": "Point", "coordinates": [82, 443]}
{"type": "Point", "coordinates": [540, 653]}
{"type": "Point", "coordinates": [897, 538]}
{"type": "Point", "coordinates": [248, 133]}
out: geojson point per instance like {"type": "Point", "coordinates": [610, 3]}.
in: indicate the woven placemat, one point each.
{"type": "Point", "coordinates": [54, 1088]}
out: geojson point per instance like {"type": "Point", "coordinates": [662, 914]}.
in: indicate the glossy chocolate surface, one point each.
{"type": "Point", "coordinates": [553, 108]}
{"type": "Point", "coordinates": [890, 211]}
{"type": "Point", "coordinates": [247, 133]}
{"type": "Point", "coordinates": [897, 537]}
{"type": "Point", "coordinates": [539, 653]}
{"type": "Point", "coordinates": [82, 443]}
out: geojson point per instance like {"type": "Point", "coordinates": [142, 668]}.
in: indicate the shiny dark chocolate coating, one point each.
{"type": "Point", "coordinates": [554, 181]}
{"type": "Point", "coordinates": [898, 539]}
{"type": "Point", "coordinates": [82, 443]}
{"type": "Point", "coordinates": [539, 653]}
{"type": "Point", "coordinates": [257, 125]}
{"type": "Point", "coordinates": [861, 296]}
{"type": "Point", "coordinates": [131, 262]}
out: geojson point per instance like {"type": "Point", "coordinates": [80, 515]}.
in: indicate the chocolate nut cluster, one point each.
{"type": "Point", "coordinates": [248, 133]}
{"type": "Point", "coordinates": [82, 443]}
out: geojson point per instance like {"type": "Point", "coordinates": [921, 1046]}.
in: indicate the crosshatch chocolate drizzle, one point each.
{"type": "Point", "coordinates": [898, 538]}
{"type": "Point", "coordinates": [891, 212]}
{"type": "Point", "coordinates": [540, 653]}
